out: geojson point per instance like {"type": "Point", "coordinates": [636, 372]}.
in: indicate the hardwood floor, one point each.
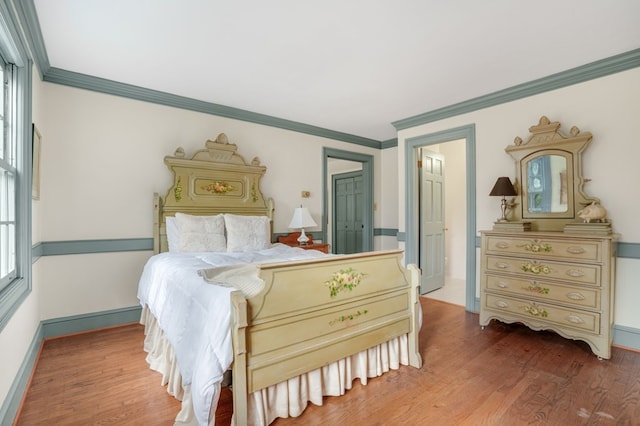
{"type": "Point", "coordinates": [503, 375]}
{"type": "Point", "coordinates": [97, 378]}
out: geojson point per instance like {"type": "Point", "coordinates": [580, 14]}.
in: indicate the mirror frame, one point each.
{"type": "Point", "coordinates": [527, 213]}
{"type": "Point", "coordinates": [546, 139]}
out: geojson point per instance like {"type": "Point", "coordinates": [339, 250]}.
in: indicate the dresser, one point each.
{"type": "Point", "coordinates": [551, 281]}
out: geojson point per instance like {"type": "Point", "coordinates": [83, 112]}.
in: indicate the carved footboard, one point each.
{"type": "Point", "coordinates": [312, 313]}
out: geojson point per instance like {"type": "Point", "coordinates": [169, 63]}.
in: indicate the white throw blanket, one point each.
{"type": "Point", "coordinates": [240, 277]}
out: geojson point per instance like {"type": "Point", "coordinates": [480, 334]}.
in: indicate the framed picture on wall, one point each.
{"type": "Point", "coordinates": [36, 142]}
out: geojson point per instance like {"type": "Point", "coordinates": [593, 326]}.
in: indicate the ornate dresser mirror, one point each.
{"type": "Point", "coordinates": [549, 178]}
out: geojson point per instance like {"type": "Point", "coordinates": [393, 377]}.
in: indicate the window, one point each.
{"type": "Point", "coordinates": [8, 173]}
{"type": "Point", "coordinates": [15, 166]}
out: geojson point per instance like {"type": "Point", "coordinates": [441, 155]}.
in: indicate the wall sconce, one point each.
{"type": "Point", "coordinates": [504, 188]}
{"type": "Point", "coordinates": [302, 219]}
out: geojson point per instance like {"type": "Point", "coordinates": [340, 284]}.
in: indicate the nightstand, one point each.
{"type": "Point", "coordinates": [292, 240]}
{"type": "Point", "coordinates": [315, 246]}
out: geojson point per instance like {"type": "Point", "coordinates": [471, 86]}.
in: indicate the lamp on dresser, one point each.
{"type": "Point", "coordinates": [504, 188]}
{"type": "Point", "coordinates": [302, 219]}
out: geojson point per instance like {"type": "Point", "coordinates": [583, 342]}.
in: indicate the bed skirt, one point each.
{"type": "Point", "coordinates": [285, 399]}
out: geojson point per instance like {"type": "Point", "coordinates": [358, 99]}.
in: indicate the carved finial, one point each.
{"type": "Point", "coordinates": [543, 121]}
{"type": "Point", "coordinates": [517, 141]}
{"type": "Point", "coordinates": [179, 152]}
{"type": "Point", "coordinates": [574, 131]}
{"type": "Point", "coordinates": [255, 161]}
{"type": "Point", "coordinates": [222, 138]}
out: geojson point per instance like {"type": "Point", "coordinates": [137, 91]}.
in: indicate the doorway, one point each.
{"type": "Point", "coordinates": [347, 192]}
{"type": "Point", "coordinates": [336, 162]}
{"type": "Point", "coordinates": [466, 255]}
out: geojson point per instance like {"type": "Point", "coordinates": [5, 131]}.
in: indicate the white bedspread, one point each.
{"type": "Point", "coordinates": [194, 315]}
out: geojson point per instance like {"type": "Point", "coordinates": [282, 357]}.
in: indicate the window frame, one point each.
{"type": "Point", "coordinates": [7, 164]}
{"type": "Point", "coordinates": [12, 48]}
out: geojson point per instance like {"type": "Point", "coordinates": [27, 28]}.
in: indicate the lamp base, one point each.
{"type": "Point", "coordinates": [303, 240]}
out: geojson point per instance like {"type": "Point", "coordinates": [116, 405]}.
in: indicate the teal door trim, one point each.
{"type": "Point", "coordinates": [468, 133]}
{"type": "Point", "coordinates": [367, 178]}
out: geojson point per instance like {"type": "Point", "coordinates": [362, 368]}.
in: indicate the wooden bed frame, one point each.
{"type": "Point", "coordinates": [307, 315]}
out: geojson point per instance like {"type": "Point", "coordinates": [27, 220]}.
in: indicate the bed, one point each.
{"type": "Point", "coordinates": [291, 325]}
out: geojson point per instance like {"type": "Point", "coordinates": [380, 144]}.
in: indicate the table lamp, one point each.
{"type": "Point", "coordinates": [302, 219]}
{"type": "Point", "coordinates": [504, 188]}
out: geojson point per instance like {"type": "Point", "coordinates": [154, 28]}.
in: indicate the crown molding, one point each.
{"type": "Point", "coordinates": [101, 85]}
{"type": "Point", "coordinates": [389, 143]}
{"type": "Point", "coordinates": [593, 70]}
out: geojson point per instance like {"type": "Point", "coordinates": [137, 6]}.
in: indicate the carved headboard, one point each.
{"type": "Point", "coordinates": [214, 180]}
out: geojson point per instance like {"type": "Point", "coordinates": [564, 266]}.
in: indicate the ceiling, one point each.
{"type": "Point", "coordinates": [349, 66]}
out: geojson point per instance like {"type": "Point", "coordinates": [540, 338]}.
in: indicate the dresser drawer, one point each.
{"type": "Point", "coordinates": [566, 317]}
{"type": "Point", "coordinates": [587, 297]}
{"type": "Point", "coordinates": [531, 268]}
{"type": "Point", "coordinates": [544, 248]}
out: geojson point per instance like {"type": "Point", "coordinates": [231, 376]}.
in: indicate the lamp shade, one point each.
{"type": "Point", "coordinates": [302, 218]}
{"type": "Point", "coordinates": [503, 187]}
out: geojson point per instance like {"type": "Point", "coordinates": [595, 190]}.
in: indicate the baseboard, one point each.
{"type": "Point", "coordinates": [13, 400]}
{"type": "Point", "coordinates": [85, 322]}
{"type": "Point", "coordinates": [626, 337]}
{"type": "Point", "coordinates": [54, 328]}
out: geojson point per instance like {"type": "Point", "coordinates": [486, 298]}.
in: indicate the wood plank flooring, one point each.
{"type": "Point", "coordinates": [503, 375]}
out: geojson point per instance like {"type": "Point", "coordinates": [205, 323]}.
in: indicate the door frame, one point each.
{"type": "Point", "coordinates": [468, 133]}
{"type": "Point", "coordinates": [367, 199]}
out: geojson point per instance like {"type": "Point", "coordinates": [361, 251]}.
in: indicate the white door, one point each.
{"type": "Point", "coordinates": [431, 220]}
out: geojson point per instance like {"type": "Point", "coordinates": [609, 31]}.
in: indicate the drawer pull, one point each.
{"type": "Point", "coordinates": [575, 296]}
{"type": "Point", "coordinates": [502, 265]}
{"type": "Point", "coordinates": [502, 284]}
{"type": "Point", "coordinates": [574, 319]}
{"type": "Point", "coordinates": [502, 245]}
{"type": "Point", "coordinates": [575, 250]}
{"type": "Point", "coordinates": [501, 304]}
{"type": "Point", "coordinates": [575, 273]}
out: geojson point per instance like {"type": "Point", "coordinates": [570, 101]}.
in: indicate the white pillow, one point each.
{"type": "Point", "coordinates": [201, 233]}
{"type": "Point", "coordinates": [247, 233]}
{"type": "Point", "coordinates": [173, 234]}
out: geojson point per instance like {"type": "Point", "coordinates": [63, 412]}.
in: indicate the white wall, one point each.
{"type": "Point", "coordinates": [102, 159]}
{"type": "Point", "coordinates": [386, 213]}
{"type": "Point", "coordinates": [455, 209]}
{"type": "Point", "coordinates": [609, 108]}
